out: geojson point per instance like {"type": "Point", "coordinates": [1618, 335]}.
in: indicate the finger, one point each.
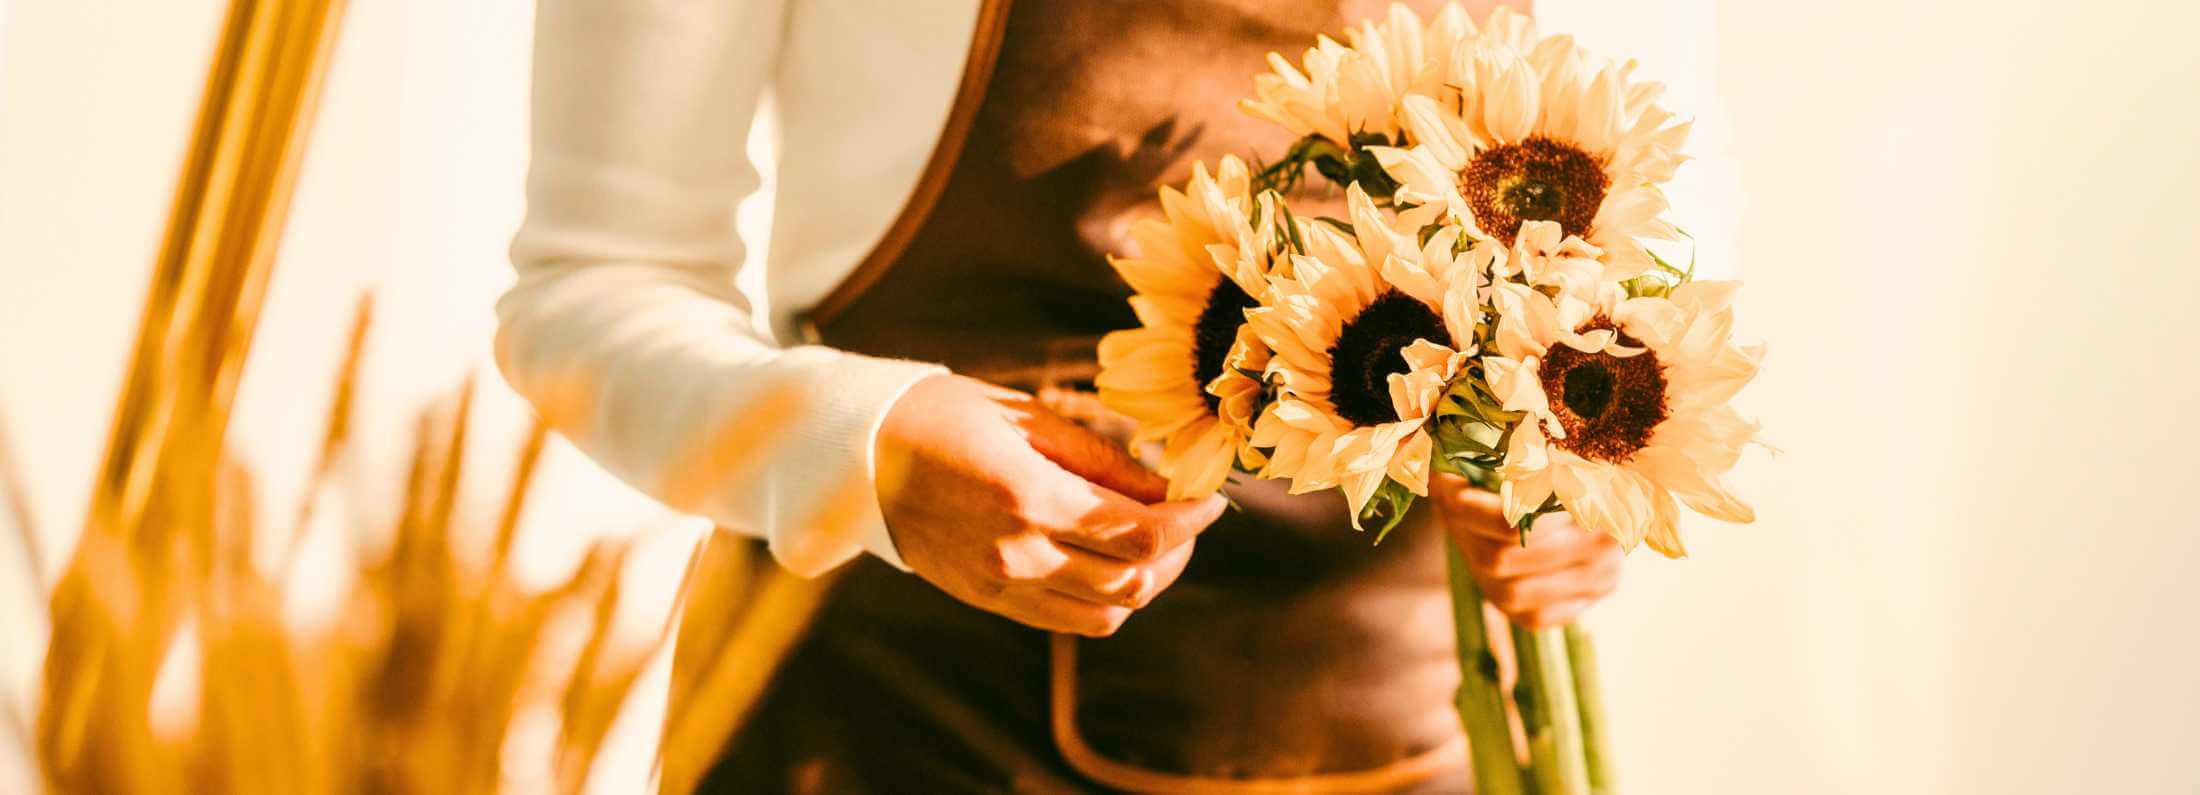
{"type": "Point", "coordinates": [1099, 578]}
{"type": "Point", "coordinates": [1060, 612]}
{"type": "Point", "coordinates": [1024, 558]}
{"type": "Point", "coordinates": [1093, 457]}
{"type": "Point", "coordinates": [1504, 560]}
{"type": "Point", "coordinates": [1107, 580]}
{"type": "Point", "coordinates": [1443, 483]}
{"type": "Point", "coordinates": [1562, 527]}
{"type": "Point", "coordinates": [1093, 517]}
{"type": "Point", "coordinates": [1557, 615]}
{"type": "Point", "coordinates": [1098, 520]}
{"type": "Point", "coordinates": [1170, 566]}
{"type": "Point", "coordinates": [1472, 512]}
{"type": "Point", "coordinates": [1521, 596]}
{"type": "Point", "coordinates": [1086, 409]}
{"type": "Point", "coordinates": [1543, 553]}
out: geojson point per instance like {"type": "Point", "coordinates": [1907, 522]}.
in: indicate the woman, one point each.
{"type": "Point", "coordinates": [952, 174]}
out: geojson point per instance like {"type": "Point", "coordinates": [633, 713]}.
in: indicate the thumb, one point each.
{"type": "Point", "coordinates": [1112, 524]}
{"type": "Point", "coordinates": [1180, 521]}
{"type": "Point", "coordinates": [1470, 512]}
{"type": "Point", "coordinates": [1095, 458]}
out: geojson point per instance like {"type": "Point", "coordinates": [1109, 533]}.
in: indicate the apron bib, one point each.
{"type": "Point", "coordinates": [1292, 654]}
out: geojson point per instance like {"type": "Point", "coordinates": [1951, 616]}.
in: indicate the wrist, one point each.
{"type": "Point", "coordinates": [887, 453]}
{"type": "Point", "coordinates": [832, 455]}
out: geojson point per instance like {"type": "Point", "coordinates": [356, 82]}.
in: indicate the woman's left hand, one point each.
{"type": "Point", "coordinates": [1561, 571]}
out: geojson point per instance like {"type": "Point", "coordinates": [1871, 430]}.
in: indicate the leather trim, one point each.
{"type": "Point", "coordinates": [1063, 686]}
{"type": "Point", "coordinates": [985, 51]}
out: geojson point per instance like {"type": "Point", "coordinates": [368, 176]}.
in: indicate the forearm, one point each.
{"type": "Point", "coordinates": [660, 381]}
{"type": "Point", "coordinates": [625, 329]}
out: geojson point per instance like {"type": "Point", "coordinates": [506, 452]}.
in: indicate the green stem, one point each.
{"type": "Point", "coordinates": [1549, 712]}
{"type": "Point", "coordinates": [1595, 733]}
{"type": "Point", "coordinates": [1481, 699]}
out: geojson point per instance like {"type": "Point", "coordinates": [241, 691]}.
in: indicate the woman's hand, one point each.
{"type": "Point", "coordinates": [1560, 572]}
{"type": "Point", "coordinates": [1015, 510]}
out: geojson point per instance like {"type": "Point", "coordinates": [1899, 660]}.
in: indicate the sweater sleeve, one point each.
{"type": "Point", "coordinates": [624, 328]}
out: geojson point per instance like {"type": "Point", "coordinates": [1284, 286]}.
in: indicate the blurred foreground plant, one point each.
{"type": "Point", "coordinates": [175, 661]}
{"type": "Point", "coordinates": [412, 684]}
{"type": "Point", "coordinates": [427, 667]}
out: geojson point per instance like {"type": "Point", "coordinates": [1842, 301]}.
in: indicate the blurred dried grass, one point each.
{"type": "Point", "coordinates": [175, 660]}
{"type": "Point", "coordinates": [181, 662]}
{"type": "Point", "coordinates": [414, 684]}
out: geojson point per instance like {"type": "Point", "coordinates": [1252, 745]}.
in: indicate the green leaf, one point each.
{"type": "Point", "coordinates": [1486, 478]}
{"type": "Point", "coordinates": [1386, 509]}
{"type": "Point", "coordinates": [1693, 249]}
{"type": "Point", "coordinates": [1527, 522]}
{"type": "Point", "coordinates": [1290, 224]}
{"type": "Point", "coordinates": [1364, 139]}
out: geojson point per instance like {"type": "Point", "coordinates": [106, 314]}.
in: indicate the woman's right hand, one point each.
{"type": "Point", "coordinates": [1015, 510]}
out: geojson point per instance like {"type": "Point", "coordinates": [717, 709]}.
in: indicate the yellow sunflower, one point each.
{"type": "Point", "coordinates": [1188, 375]}
{"type": "Point", "coordinates": [1352, 89]}
{"type": "Point", "coordinates": [1543, 255]}
{"type": "Point", "coordinates": [1628, 404]}
{"type": "Point", "coordinates": [1367, 330]}
{"type": "Point", "coordinates": [1538, 129]}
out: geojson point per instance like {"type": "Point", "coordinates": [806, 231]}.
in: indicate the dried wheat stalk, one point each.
{"type": "Point", "coordinates": [415, 685]}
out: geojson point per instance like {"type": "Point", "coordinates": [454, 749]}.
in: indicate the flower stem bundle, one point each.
{"type": "Point", "coordinates": [1490, 304]}
{"type": "Point", "coordinates": [1481, 697]}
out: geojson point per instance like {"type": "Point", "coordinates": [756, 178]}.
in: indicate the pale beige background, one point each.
{"type": "Point", "coordinates": [1969, 238]}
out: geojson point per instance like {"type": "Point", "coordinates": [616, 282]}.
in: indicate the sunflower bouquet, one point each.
{"type": "Point", "coordinates": [1489, 304]}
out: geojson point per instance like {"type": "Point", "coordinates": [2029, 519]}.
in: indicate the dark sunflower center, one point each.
{"type": "Point", "coordinates": [1589, 390]}
{"type": "Point", "coordinates": [1538, 179]}
{"type": "Point", "coordinates": [1370, 350]}
{"type": "Point", "coordinates": [1215, 332]}
{"type": "Point", "coordinates": [1608, 405]}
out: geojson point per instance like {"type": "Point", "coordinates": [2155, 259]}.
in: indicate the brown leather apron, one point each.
{"type": "Point", "coordinates": [1291, 656]}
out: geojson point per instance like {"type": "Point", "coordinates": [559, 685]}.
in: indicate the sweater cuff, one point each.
{"type": "Point", "coordinates": [833, 457]}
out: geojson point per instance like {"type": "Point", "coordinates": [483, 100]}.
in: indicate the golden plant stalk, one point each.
{"type": "Point", "coordinates": [14, 728]}
{"type": "Point", "coordinates": [18, 513]}
{"type": "Point", "coordinates": [171, 664]}
{"type": "Point", "coordinates": [416, 683]}
{"type": "Point", "coordinates": [740, 615]}
{"type": "Point", "coordinates": [166, 440]}
{"type": "Point", "coordinates": [381, 703]}
{"type": "Point", "coordinates": [413, 687]}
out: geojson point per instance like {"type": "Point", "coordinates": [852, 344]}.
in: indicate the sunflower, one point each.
{"type": "Point", "coordinates": [1543, 255]}
{"type": "Point", "coordinates": [1538, 129]}
{"type": "Point", "coordinates": [1367, 331]}
{"type": "Point", "coordinates": [1188, 375]}
{"type": "Point", "coordinates": [1627, 399]}
{"type": "Point", "coordinates": [1350, 91]}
